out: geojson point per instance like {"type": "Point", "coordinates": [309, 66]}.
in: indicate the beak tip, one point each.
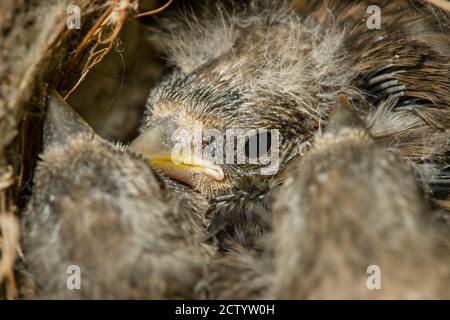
{"type": "Point", "coordinates": [217, 173]}
{"type": "Point", "coordinates": [156, 146]}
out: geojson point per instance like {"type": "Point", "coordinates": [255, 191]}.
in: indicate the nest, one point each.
{"type": "Point", "coordinates": [88, 66]}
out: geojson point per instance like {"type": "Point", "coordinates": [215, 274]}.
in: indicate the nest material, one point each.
{"type": "Point", "coordinates": [38, 50]}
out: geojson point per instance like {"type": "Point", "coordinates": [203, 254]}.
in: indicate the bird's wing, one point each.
{"type": "Point", "coordinates": [403, 70]}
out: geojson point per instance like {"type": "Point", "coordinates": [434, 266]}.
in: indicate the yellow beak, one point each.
{"type": "Point", "coordinates": [157, 145]}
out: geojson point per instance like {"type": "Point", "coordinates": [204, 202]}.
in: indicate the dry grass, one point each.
{"type": "Point", "coordinates": [9, 237]}
{"type": "Point", "coordinates": [104, 34]}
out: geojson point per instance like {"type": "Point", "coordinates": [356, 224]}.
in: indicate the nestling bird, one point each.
{"type": "Point", "coordinates": [257, 64]}
{"type": "Point", "coordinates": [261, 65]}
{"type": "Point", "coordinates": [358, 182]}
{"type": "Point", "coordinates": [132, 234]}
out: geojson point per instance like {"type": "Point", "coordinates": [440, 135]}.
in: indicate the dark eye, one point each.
{"type": "Point", "coordinates": [258, 145]}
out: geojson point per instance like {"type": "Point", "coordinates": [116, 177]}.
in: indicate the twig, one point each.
{"type": "Point", "coordinates": [111, 22]}
{"type": "Point", "coordinates": [152, 12]}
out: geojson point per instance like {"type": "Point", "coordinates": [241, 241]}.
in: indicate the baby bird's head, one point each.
{"type": "Point", "coordinates": [248, 90]}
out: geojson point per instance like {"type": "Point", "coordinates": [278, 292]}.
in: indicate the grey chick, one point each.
{"type": "Point", "coordinates": [261, 65]}
{"type": "Point", "coordinates": [105, 211]}
{"type": "Point", "coordinates": [258, 64]}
